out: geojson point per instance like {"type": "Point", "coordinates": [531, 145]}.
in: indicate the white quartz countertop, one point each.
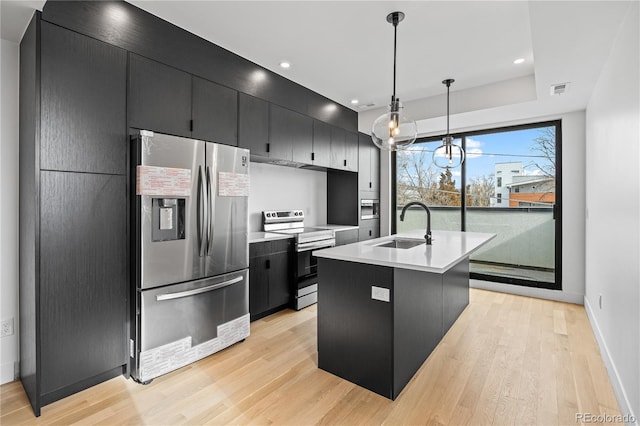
{"type": "Point", "coordinates": [336, 228]}
{"type": "Point", "coordinates": [260, 237]}
{"type": "Point", "coordinates": [448, 248]}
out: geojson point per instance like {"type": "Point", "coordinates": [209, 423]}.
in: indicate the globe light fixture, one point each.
{"type": "Point", "coordinates": [393, 130]}
{"type": "Point", "coordinates": [448, 154]}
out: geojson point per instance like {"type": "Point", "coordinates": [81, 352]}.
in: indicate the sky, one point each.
{"type": "Point", "coordinates": [483, 151]}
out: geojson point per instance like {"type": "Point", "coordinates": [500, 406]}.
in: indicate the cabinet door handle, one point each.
{"type": "Point", "coordinates": [369, 232]}
{"type": "Point", "coordinates": [267, 264]}
{"type": "Point", "coordinates": [369, 184]}
{"type": "Point", "coordinates": [313, 156]}
{"type": "Point", "coordinates": [345, 163]}
{"type": "Point", "coordinates": [191, 125]}
{"type": "Point", "coordinates": [268, 146]}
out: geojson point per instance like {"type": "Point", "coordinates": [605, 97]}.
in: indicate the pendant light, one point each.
{"type": "Point", "coordinates": [393, 130]}
{"type": "Point", "coordinates": [448, 154]}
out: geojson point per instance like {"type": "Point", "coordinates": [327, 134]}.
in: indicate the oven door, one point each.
{"type": "Point", "coordinates": [307, 273]}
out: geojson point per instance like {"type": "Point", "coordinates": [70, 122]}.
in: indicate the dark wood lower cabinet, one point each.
{"type": "Point", "coordinates": [346, 236]}
{"type": "Point", "coordinates": [270, 277]}
{"type": "Point", "coordinates": [369, 228]}
{"type": "Point", "coordinates": [377, 325]}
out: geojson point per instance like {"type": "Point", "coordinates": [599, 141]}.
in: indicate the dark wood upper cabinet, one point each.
{"type": "Point", "coordinates": [290, 135]}
{"type": "Point", "coordinates": [351, 152]}
{"type": "Point", "coordinates": [83, 94]}
{"type": "Point", "coordinates": [253, 125]}
{"type": "Point", "coordinates": [338, 148]}
{"type": "Point", "coordinates": [375, 167]}
{"type": "Point", "coordinates": [280, 143]}
{"type": "Point", "coordinates": [321, 144]}
{"type": "Point", "coordinates": [215, 112]}
{"type": "Point", "coordinates": [301, 134]}
{"type": "Point", "coordinates": [159, 97]}
{"type": "Point", "coordinates": [152, 37]}
{"type": "Point", "coordinates": [368, 166]}
{"type": "Point", "coordinates": [344, 150]}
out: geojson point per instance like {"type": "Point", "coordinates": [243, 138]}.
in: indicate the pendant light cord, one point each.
{"type": "Point", "coordinates": [395, 44]}
{"type": "Point", "coordinates": [448, 84]}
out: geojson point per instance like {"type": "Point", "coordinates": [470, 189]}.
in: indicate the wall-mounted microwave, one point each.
{"type": "Point", "coordinates": [369, 209]}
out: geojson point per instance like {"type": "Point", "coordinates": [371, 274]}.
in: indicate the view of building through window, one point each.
{"type": "Point", "coordinates": [509, 188]}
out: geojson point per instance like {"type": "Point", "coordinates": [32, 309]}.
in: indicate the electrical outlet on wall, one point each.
{"type": "Point", "coordinates": [7, 327]}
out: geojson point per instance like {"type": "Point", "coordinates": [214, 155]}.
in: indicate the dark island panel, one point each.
{"type": "Point", "coordinates": [455, 293]}
{"type": "Point", "coordinates": [417, 322]}
{"type": "Point", "coordinates": [354, 330]}
{"type": "Point", "coordinates": [378, 324]}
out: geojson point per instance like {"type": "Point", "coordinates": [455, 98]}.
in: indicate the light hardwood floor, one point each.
{"type": "Point", "coordinates": [507, 360]}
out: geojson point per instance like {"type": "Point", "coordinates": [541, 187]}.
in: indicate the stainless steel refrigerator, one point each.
{"type": "Point", "coordinates": [191, 247]}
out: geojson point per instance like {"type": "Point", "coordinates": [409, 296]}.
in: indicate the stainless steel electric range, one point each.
{"type": "Point", "coordinates": [306, 240]}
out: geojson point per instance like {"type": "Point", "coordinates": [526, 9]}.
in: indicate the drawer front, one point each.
{"type": "Point", "coordinates": [270, 247]}
{"type": "Point", "coordinates": [259, 249]}
{"type": "Point", "coordinates": [279, 246]}
{"type": "Point", "coordinates": [346, 237]}
{"type": "Point", "coordinates": [193, 309]}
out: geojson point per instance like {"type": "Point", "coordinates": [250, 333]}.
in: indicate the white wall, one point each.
{"type": "Point", "coordinates": [9, 67]}
{"type": "Point", "coordinates": [287, 188]}
{"type": "Point", "coordinates": [613, 213]}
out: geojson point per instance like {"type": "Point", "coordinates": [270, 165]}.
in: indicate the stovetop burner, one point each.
{"type": "Point", "coordinates": [292, 222]}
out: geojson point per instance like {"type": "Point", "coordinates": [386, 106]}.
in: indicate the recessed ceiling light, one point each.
{"type": "Point", "coordinates": [354, 101]}
{"type": "Point", "coordinates": [518, 61]}
{"type": "Point", "coordinates": [285, 64]}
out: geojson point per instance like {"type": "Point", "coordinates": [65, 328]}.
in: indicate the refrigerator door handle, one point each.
{"type": "Point", "coordinates": [210, 214]}
{"type": "Point", "coordinates": [181, 294]}
{"type": "Point", "coordinates": [201, 212]}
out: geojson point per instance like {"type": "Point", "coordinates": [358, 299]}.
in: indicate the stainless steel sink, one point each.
{"type": "Point", "coordinates": [401, 243]}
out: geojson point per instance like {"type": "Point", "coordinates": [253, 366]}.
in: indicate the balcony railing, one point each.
{"type": "Point", "coordinates": [525, 240]}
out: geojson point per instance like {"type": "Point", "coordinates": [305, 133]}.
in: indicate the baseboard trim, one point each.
{"type": "Point", "coordinates": [612, 371]}
{"type": "Point", "coordinates": [540, 293]}
{"type": "Point", "coordinates": [7, 372]}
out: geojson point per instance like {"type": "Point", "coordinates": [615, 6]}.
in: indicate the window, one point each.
{"type": "Point", "coordinates": [508, 185]}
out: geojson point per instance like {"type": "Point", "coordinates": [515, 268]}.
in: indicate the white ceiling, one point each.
{"type": "Point", "coordinates": [344, 49]}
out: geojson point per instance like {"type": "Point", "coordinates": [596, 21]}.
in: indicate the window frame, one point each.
{"type": "Point", "coordinates": [557, 208]}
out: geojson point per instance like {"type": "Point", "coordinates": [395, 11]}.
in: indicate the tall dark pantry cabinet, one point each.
{"type": "Point", "coordinates": [73, 206]}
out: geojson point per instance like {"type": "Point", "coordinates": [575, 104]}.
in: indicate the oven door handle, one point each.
{"type": "Point", "coordinates": [180, 294]}
{"type": "Point", "coordinates": [315, 245]}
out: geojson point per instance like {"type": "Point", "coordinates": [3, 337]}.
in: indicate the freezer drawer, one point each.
{"type": "Point", "coordinates": [182, 323]}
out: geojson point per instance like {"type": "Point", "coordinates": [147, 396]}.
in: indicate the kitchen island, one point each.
{"type": "Point", "coordinates": [384, 304]}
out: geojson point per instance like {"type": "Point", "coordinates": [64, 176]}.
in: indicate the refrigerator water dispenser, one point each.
{"type": "Point", "coordinates": [168, 219]}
